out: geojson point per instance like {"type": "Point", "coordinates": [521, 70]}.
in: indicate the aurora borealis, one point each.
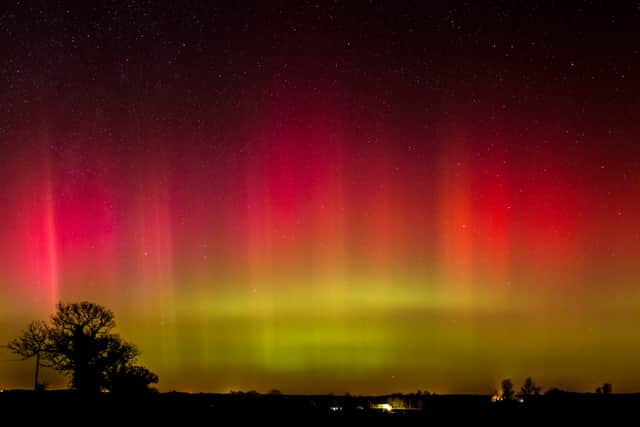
{"type": "Point", "coordinates": [330, 197]}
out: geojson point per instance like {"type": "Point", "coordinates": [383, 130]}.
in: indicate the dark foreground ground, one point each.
{"type": "Point", "coordinates": [68, 408]}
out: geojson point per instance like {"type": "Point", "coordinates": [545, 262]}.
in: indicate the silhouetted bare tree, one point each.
{"type": "Point", "coordinates": [121, 373]}
{"type": "Point", "coordinates": [528, 389]}
{"type": "Point", "coordinates": [32, 343]}
{"type": "Point", "coordinates": [506, 389]}
{"type": "Point", "coordinates": [80, 338]}
{"type": "Point", "coordinates": [80, 343]}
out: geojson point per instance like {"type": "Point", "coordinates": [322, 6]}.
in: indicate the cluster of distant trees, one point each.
{"type": "Point", "coordinates": [80, 343]}
{"type": "Point", "coordinates": [530, 389]}
{"type": "Point", "coordinates": [507, 393]}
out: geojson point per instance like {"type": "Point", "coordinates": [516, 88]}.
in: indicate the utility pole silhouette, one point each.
{"type": "Point", "coordinates": [35, 385]}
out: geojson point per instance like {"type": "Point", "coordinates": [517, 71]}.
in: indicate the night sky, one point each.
{"type": "Point", "coordinates": [328, 196]}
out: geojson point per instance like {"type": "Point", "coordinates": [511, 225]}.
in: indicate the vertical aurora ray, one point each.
{"type": "Point", "coordinates": [456, 225]}
{"type": "Point", "coordinates": [50, 257]}
{"type": "Point", "coordinates": [155, 259]}
{"type": "Point", "coordinates": [34, 237]}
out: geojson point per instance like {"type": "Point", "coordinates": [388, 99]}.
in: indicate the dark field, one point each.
{"type": "Point", "coordinates": [67, 408]}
